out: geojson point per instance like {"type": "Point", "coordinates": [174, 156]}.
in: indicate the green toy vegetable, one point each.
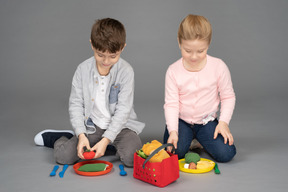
{"type": "Point", "coordinates": [216, 169]}
{"type": "Point", "coordinates": [141, 154]}
{"type": "Point", "coordinates": [192, 157]}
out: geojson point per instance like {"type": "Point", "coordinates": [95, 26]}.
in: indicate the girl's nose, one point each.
{"type": "Point", "coordinates": [193, 55]}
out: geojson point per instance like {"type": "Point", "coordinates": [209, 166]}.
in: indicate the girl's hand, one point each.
{"type": "Point", "coordinates": [173, 139]}
{"type": "Point", "coordinates": [100, 147]}
{"type": "Point", "coordinates": [82, 142]}
{"type": "Point", "coordinates": [223, 129]}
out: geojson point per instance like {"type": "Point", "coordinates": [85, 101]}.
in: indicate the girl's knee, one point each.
{"type": "Point", "coordinates": [224, 156]}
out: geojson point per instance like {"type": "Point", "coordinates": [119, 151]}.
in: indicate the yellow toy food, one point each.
{"type": "Point", "coordinates": [205, 164]}
{"type": "Point", "coordinates": [148, 148]}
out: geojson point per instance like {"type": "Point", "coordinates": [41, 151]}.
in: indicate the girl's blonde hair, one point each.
{"type": "Point", "coordinates": [195, 27]}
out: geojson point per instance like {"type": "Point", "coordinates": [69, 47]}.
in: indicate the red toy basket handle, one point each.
{"type": "Point", "coordinates": [157, 150]}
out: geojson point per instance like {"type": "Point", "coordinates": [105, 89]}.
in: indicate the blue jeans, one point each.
{"type": "Point", "coordinates": [204, 134]}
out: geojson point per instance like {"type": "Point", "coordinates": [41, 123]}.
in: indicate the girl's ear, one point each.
{"type": "Point", "coordinates": [179, 43]}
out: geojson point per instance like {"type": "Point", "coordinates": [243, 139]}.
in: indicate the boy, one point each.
{"type": "Point", "coordinates": [101, 102]}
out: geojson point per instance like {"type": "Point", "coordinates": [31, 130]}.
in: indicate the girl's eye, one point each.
{"type": "Point", "coordinates": [100, 55]}
{"type": "Point", "coordinates": [200, 51]}
{"type": "Point", "coordinates": [113, 57]}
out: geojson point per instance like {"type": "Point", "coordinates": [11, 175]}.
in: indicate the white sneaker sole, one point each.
{"type": "Point", "coordinates": [38, 139]}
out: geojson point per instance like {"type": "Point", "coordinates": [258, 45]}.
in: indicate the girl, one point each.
{"type": "Point", "coordinates": [195, 85]}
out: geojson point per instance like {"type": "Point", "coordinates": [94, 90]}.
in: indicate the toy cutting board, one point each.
{"type": "Point", "coordinates": [182, 163]}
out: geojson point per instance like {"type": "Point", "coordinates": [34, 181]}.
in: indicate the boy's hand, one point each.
{"type": "Point", "coordinates": [82, 142]}
{"type": "Point", "coordinates": [223, 129]}
{"type": "Point", "coordinates": [100, 147]}
{"type": "Point", "coordinates": [173, 139]}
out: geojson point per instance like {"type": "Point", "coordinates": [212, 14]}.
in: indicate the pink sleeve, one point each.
{"type": "Point", "coordinates": [171, 106]}
{"type": "Point", "coordinates": [227, 95]}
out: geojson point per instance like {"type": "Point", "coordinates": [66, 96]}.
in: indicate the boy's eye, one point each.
{"type": "Point", "coordinates": [100, 55]}
{"type": "Point", "coordinates": [113, 57]}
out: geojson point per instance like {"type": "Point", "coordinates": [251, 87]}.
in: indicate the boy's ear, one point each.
{"type": "Point", "coordinates": [123, 47]}
{"type": "Point", "coordinates": [91, 45]}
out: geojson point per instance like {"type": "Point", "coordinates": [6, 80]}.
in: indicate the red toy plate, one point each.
{"type": "Point", "coordinates": [77, 165]}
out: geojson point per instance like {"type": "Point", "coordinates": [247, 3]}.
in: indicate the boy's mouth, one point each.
{"type": "Point", "coordinates": [105, 65]}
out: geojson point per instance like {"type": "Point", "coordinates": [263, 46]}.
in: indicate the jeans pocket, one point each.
{"type": "Point", "coordinates": [114, 91]}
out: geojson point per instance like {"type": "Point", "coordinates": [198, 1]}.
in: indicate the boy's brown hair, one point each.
{"type": "Point", "coordinates": [195, 27]}
{"type": "Point", "coordinates": [108, 35]}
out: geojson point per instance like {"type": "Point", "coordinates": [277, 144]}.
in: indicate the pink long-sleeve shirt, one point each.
{"type": "Point", "coordinates": [194, 96]}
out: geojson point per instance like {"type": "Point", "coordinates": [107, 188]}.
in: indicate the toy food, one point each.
{"type": "Point", "coordinates": [89, 154]}
{"type": "Point", "coordinates": [93, 167]}
{"type": "Point", "coordinates": [192, 157]}
{"type": "Point", "coordinates": [148, 148]}
{"type": "Point", "coordinates": [191, 160]}
{"type": "Point", "coordinates": [205, 164]}
{"type": "Point", "coordinates": [192, 165]}
{"type": "Point", "coordinates": [141, 154]}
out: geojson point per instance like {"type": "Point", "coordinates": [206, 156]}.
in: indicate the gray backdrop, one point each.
{"type": "Point", "coordinates": [42, 42]}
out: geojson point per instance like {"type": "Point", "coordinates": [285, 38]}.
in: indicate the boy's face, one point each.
{"type": "Point", "coordinates": [194, 51]}
{"type": "Point", "coordinates": [105, 60]}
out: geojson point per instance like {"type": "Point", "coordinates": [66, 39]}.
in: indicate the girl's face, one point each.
{"type": "Point", "coordinates": [194, 52]}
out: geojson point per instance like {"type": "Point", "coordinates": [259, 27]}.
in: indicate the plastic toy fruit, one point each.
{"type": "Point", "coordinates": [89, 154]}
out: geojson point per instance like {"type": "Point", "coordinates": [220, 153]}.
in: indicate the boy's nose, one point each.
{"type": "Point", "coordinates": [105, 60]}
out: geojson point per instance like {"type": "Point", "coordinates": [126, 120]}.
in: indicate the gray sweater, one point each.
{"type": "Point", "coordinates": [119, 100]}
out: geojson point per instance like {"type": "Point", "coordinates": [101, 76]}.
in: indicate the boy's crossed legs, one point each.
{"type": "Point", "coordinates": [126, 143]}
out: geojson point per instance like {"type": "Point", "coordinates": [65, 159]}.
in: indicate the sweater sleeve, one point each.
{"type": "Point", "coordinates": [171, 106]}
{"type": "Point", "coordinates": [227, 95]}
{"type": "Point", "coordinates": [76, 104]}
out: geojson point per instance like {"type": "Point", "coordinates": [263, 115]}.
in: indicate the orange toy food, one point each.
{"type": "Point", "coordinates": [148, 148]}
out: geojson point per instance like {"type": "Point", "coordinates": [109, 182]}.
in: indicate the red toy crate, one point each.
{"type": "Point", "coordinates": [160, 173]}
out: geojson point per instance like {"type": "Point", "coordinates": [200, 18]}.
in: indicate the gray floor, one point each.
{"type": "Point", "coordinates": [258, 128]}
{"type": "Point", "coordinates": [42, 42]}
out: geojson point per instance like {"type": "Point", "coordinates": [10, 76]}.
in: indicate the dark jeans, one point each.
{"type": "Point", "coordinates": [204, 134]}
